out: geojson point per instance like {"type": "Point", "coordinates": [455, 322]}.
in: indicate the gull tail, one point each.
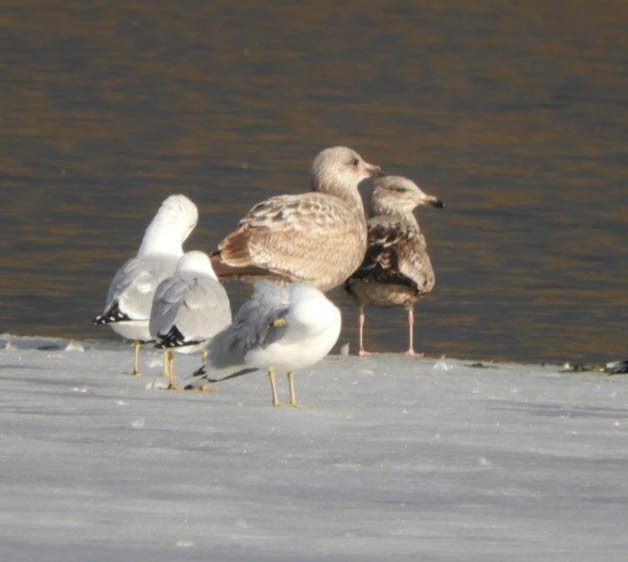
{"type": "Point", "coordinates": [202, 374]}
{"type": "Point", "coordinates": [174, 338]}
{"type": "Point", "coordinates": [226, 272]}
{"type": "Point", "coordinates": [113, 314]}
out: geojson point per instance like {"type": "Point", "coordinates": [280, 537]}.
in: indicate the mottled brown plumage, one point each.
{"type": "Point", "coordinates": [317, 237]}
{"type": "Point", "coordinates": [396, 270]}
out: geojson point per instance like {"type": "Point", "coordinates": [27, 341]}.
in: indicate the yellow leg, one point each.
{"type": "Point", "coordinates": [271, 377]}
{"type": "Point", "coordinates": [203, 358]}
{"type": "Point", "coordinates": [136, 360]}
{"type": "Point", "coordinates": [172, 383]}
{"type": "Point", "coordinates": [164, 369]}
{"type": "Point", "coordinates": [293, 398]}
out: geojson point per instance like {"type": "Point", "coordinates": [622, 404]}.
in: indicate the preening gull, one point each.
{"type": "Point", "coordinates": [396, 270]}
{"type": "Point", "coordinates": [317, 237]}
{"type": "Point", "coordinates": [188, 309]}
{"type": "Point", "coordinates": [281, 328]}
{"type": "Point", "coordinates": [130, 295]}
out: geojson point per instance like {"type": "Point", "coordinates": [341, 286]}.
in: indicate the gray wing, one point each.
{"type": "Point", "coordinates": [252, 326]}
{"type": "Point", "coordinates": [134, 285]}
{"type": "Point", "coordinates": [197, 306]}
{"type": "Point", "coordinates": [166, 303]}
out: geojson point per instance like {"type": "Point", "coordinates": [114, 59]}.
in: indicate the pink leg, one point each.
{"type": "Point", "coordinates": [361, 350]}
{"type": "Point", "coordinates": [411, 334]}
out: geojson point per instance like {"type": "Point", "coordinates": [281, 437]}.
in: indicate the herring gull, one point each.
{"type": "Point", "coordinates": [317, 237]}
{"type": "Point", "coordinates": [281, 328]}
{"type": "Point", "coordinates": [396, 270]}
{"type": "Point", "coordinates": [130, 295]}
{"type": "Point", "coordinates": [188, 309]}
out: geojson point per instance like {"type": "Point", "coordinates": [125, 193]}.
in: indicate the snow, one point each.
{"type": "Point", "coordinates": [397, 458]}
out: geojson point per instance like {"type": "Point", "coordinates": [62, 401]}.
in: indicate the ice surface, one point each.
{"type": "Point", "coordinates": [397, 459]}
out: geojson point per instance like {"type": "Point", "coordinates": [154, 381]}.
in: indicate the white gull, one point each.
{"type": "Point", "coordinates": [130, 295]}
{"type": "Point", "coordinates": [188, 309]}
{"type": "Point", "coordinates": [281, 328]}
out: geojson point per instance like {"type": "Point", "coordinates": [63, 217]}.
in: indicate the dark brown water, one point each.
{"type": "Point", "coordinates": [515, 114]}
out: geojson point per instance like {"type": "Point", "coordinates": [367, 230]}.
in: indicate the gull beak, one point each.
{"type": "Point", "coordinates": [373, 170]}
{"type": "Point", "coordinates": [431, 200]}
{"type": "Point", "coordinates": [277, 323]}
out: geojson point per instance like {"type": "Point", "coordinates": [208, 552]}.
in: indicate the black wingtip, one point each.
{"type": "Point", "coordinates": [174, 338]}
{"type": "Point", "coordinates": [113, 314]}
{"type": "Point", "coordinates": [200, 372]}
{"type": "Point", "coordinates": [617, 368]}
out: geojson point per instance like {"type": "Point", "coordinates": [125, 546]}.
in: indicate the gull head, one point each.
{"type": "Point", "coordinates": [338, 170]}
{"type": "Point", "coordinates": [178, 215]}
{"type": "Point", "coordinates": [196, 263]}
{"type": "Point", "coordinates": [176, 218]}
{"type": "Point", "coordinates": [399, 195]}
{"type": "Point", "coordinates": [311, 311]}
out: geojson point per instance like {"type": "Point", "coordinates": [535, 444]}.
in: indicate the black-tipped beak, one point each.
{"type": "Point", "coordinates": [375, 171]}
{"type": "Point", "coordinates": [437, 203]}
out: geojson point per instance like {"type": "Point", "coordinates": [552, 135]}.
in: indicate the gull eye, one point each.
{"type": "Point", "coordinates": [355, 162]}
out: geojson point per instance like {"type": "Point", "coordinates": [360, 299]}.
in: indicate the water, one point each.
{"type": "Point", "coordinates": [515, 115]}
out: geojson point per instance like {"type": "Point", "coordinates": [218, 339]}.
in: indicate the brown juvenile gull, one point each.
{"type": "Point", "coordinates": [317, 237]}
{"type": "Point", "coordinates": [396, 270]}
